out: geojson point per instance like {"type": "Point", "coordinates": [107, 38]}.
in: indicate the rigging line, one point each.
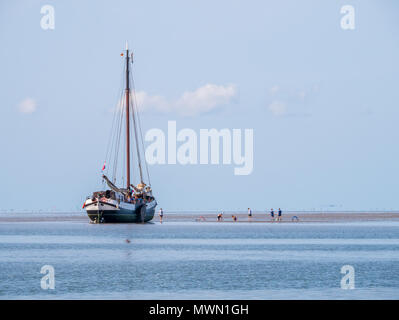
{"type": "Point", "coordinates": [140, 130]}
{"type": "Point", "coordinates": [119, 139]}
{"type": "Point", "coordinates": [110, 137]}
{"type": "Point", "coordinates": [118, 131]}
{"type": "Point", "coordinates": [131, 132]}
{"type": "Point", "coordinates": [115, 112]}
{"type": "Point", "coordinates": [136, 136]}
{"type": "Point", "coordinates": [137, 142]}
{"type": "Point", "coordinates": [111, 153]}
{"type": "Point", "coordinates": [114, 136]}
{"type": "Point", "coordinates": [116, 139]}
{"type": "Point", "coordinates": [110, 143]}
{"type": "Point", "coordinates": [132, 166]}
{"type": "Point", "coordinates": [117, 146]}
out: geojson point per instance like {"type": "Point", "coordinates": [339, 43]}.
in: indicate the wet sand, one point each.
{"type": "Point", "coordinates": [288, 217]}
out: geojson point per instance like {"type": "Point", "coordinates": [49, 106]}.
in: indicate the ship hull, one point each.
{"type": "Point", "coordinates": [123, 213]}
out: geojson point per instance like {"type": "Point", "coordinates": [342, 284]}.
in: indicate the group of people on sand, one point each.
{"type": "Point", "coordinates": [234, 217]}
{"type": "Point", "coordinates": [279, 215]}
{"type": "Point", "coordinates": [220, 217]}
{"type": "Point", "coordinates": [272, 215]}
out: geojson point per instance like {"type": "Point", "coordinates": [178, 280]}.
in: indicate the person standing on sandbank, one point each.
{"type": "Point", "coordinates": [249, 214]}
{"type": "Point", "coordinates": [272, 214]}
{"type": "Point", "coordinates": [279, 214]}
{"type": "Point", "coordinates": [160, 215]}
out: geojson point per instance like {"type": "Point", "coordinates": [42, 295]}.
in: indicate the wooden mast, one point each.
{"type": "Point", "coordinates": [127, 94]}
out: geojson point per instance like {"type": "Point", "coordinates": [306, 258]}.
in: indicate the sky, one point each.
{"type": "Point", "coordinates": [322, 100]}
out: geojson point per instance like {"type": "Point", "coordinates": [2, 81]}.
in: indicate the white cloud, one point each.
{"type": "Point", "coordinates": [191, 103]}
{"type": "Point", "coordinates": [278, 108]}
{"type": "Point", "coordinates": [27, 106]}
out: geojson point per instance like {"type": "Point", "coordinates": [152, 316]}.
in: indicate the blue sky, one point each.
{"type": "Point", "coordinates": [322, 101]}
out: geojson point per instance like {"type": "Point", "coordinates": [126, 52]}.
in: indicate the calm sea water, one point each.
{"type": "Point", "coordinates": [195, 260]}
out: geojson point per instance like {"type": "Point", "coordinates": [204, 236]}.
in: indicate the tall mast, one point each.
{"type": "Point", "coordinates": [127, 94]}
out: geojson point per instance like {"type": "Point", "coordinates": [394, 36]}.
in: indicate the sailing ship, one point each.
{"type": "Point", "coordinates": [132, 203]}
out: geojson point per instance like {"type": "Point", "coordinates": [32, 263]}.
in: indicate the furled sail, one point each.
{"type": "Point", "coordinates": [111, 185]}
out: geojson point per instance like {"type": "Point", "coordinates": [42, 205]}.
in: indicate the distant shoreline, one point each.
{"type": "Point", "coordinates": [310, 216]}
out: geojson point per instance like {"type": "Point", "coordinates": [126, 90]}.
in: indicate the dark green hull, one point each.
{"type": "Point", "coordinates": [139, 215]}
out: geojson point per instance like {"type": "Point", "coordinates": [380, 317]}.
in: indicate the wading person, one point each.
{"type": "Point", "coordinates": [279, 214]}
{"type": "Point", "coordinates": [272, 214]}
{"type": "Point", "coordinates": [234, 218]}
{"type": "Point", "coordinates": [249, 214]}
{"type": "Point", "coordinates": [160, 215]}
